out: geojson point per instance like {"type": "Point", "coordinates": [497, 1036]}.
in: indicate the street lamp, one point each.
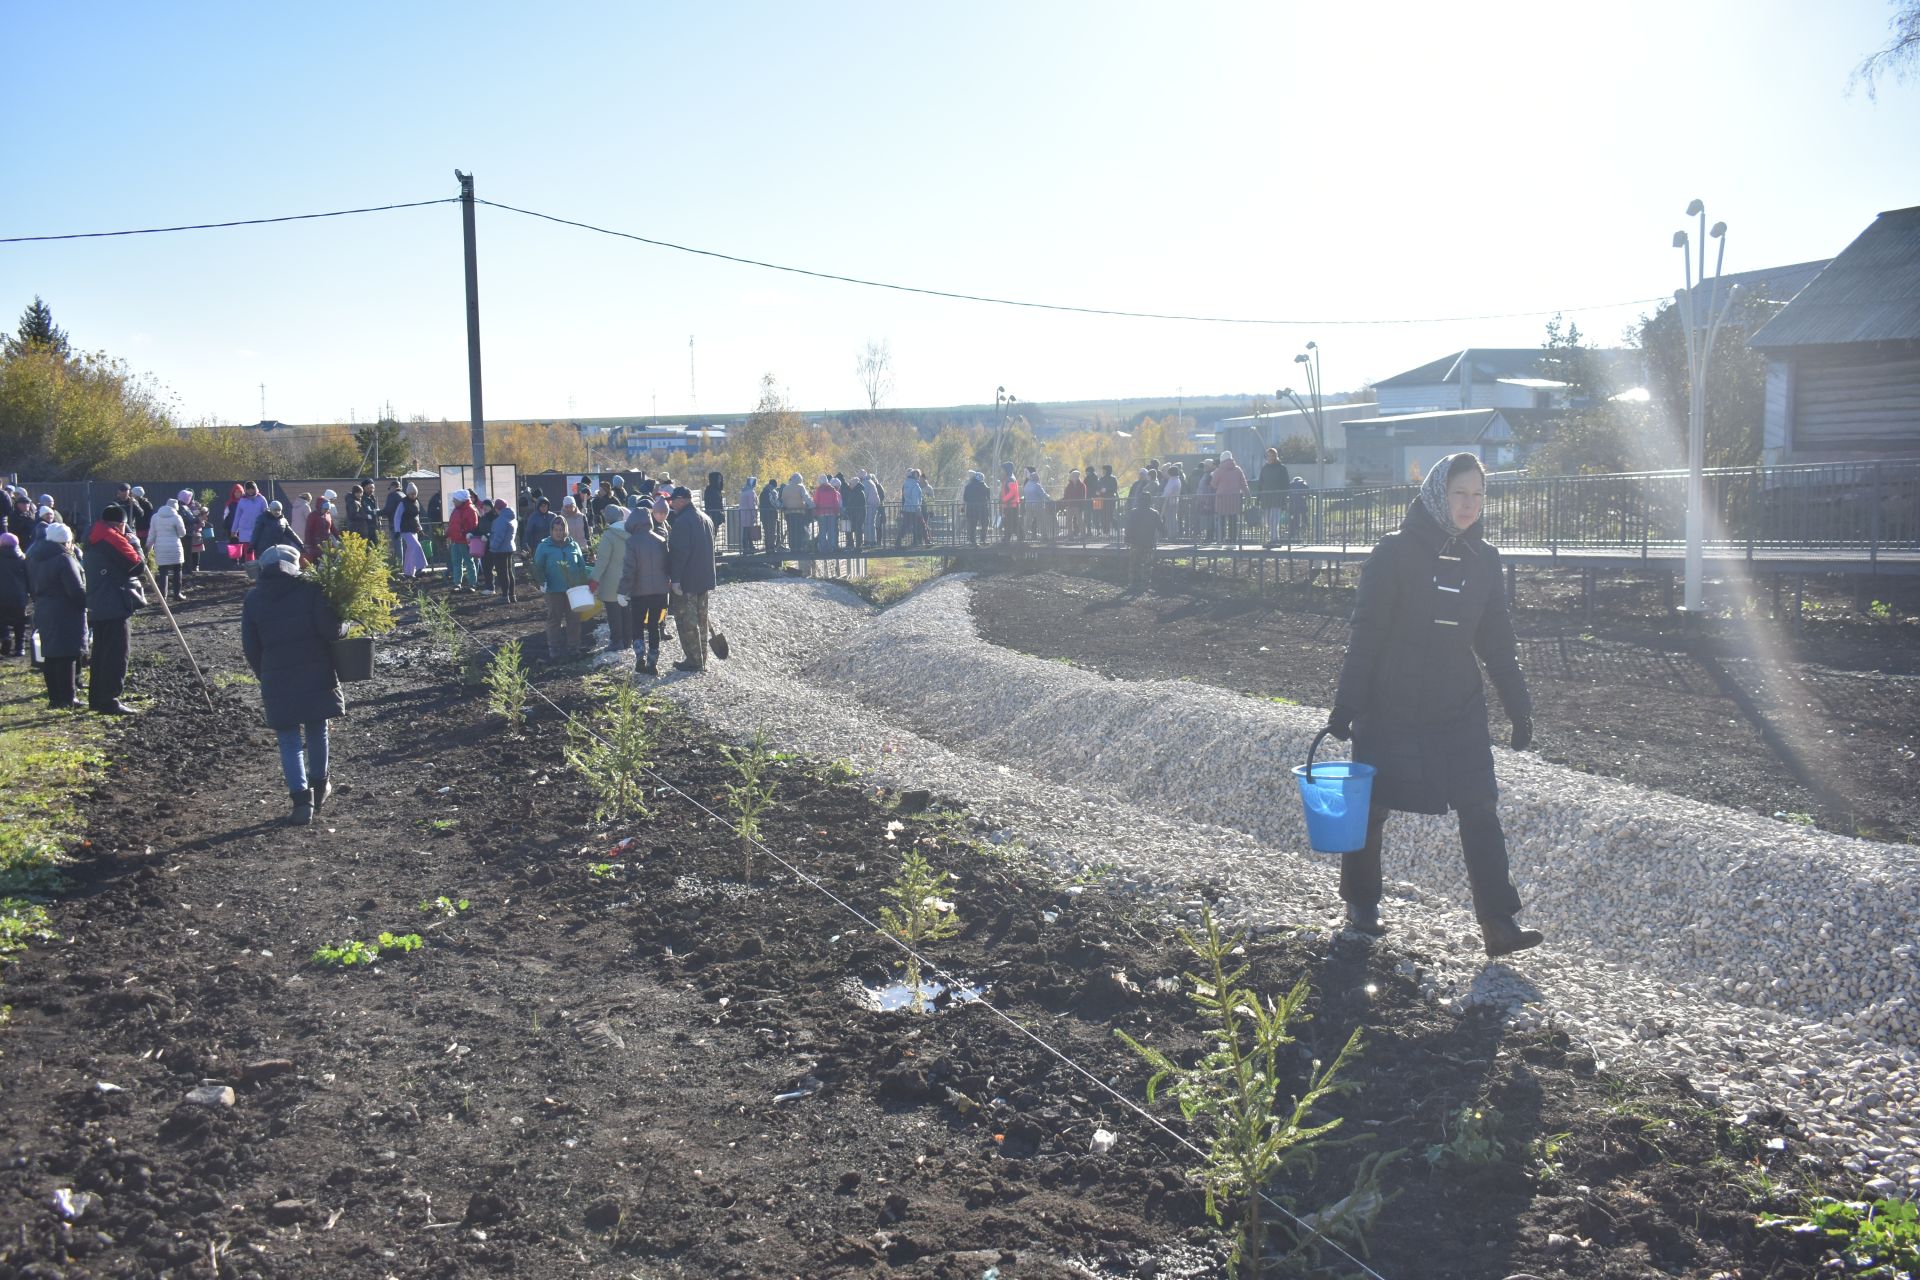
{"type": "Point", "coordinates": [1003, 405]}
{"type": "Point", "coordinates": [1699, 357]}
{"type": "Point", "coordinates": [1309, 361]}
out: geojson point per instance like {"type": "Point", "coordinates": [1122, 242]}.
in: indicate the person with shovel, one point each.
{"type": "Point", "coordinates": [1432, 610]}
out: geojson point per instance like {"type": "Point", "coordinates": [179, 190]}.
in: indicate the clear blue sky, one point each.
{"type": "Point", "coordinates": [1324, 162]}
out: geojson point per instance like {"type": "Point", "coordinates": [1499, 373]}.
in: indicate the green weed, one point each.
{"type": "Point", "coordinates": [22, 922]}
{"type": "Point", "coordinates": [839, 772]}
{"type": "Point", "coordinates": [404, 943]}
{"type": "Point", "coordinates": [347, 954]}
{"type": "Point", "coordinates": [1879, 1238]}
{"type": "Point", "coordinates": [1880, 611]}
{"type": "Point", "coordinates": [1234, 1090]}
{"type": "Point", "coordinates": [1470, 1136]}
{"type": "Point", "coordinates": [230, 679]}
{"type": "Point", "coordinates": [445, 906]}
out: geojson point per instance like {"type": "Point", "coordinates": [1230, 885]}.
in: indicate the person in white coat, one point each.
{"type": "Point", "coordinates": [167, 535]}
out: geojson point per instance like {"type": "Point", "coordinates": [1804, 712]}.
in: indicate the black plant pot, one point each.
{"type": "Point", "coordinates": [353, 658]}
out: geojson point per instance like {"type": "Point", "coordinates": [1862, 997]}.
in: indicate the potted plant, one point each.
{"type": "Point", "coordinates": [358, 583]}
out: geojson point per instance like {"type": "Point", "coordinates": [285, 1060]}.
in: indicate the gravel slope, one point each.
{"type": "Point", "coordinates": [1772, 965]}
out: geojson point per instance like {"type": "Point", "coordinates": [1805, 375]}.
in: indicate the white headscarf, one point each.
{"type": "Point", "coordinates": [57, 533]}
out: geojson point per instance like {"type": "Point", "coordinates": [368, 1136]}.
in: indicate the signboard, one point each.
{"type": "Point", "coordinates": [503, 481]}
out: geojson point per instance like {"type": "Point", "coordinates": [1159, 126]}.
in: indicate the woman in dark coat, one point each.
{"type": "Point", "coordinates": [714, 499]}
{"type": "Point", "coordinates": [1432, 609]}
{"type": "Point", "coordinates": [59, 611]}
{"type": "Point", "coordinates": [14, 596]}
{"type": "Point", "coordinates": [287, 629]}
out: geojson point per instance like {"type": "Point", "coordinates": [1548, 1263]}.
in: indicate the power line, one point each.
{"type": "Point", "coordinates": [1047, 306]}
{"type": "Point", "coordinates": [237, 222]}
{"type": "Point", "coordinates": [952, 295]}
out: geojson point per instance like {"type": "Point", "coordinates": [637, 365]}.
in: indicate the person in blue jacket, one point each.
{"type": "Point", "coordinates": [287, 630]}
{"type": "Point", "coordinates": [559, 563]}
{"type": "Point", "coordinates": [502, 538]}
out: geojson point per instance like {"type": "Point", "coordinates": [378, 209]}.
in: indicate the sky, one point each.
{"type": "Point", "coordinates": [1321, 164]}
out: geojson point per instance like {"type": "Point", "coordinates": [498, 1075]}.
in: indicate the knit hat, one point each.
{"type": "Point", "coordinates": [57, 533]}
{"type": "Point", "coordinates": [184, 496]}
{"type": "Point", "coordinates": [282, 558]}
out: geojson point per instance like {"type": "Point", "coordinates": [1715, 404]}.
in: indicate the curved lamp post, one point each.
{"type": "Point", "coordinates": [1699, 358]}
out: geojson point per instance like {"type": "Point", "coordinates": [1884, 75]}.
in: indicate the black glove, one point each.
{"type": "Point", "coordinates": [1340, 723]}
{"type": "Point", "coordinates": [1522, 733]}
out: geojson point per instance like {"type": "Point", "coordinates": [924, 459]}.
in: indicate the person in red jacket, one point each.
{"type": "Point", "coordinates": [462, 573]}
{"type": "Point", "coordinates": [320, 531]}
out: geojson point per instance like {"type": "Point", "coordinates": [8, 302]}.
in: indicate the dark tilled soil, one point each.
{"type": "Point", "coordinates": [1817, 723]}
{"type": "Point", "coordinates": [583, 1074]}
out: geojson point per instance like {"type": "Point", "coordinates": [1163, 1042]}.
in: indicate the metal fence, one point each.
{"type": "Point", "coordinates": [1863, 509]}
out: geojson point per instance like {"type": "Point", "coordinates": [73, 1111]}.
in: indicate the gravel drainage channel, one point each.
{"type": "Point", "coordinates": [1774, 967]}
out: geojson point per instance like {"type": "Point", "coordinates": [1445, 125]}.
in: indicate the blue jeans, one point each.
{"type": "Point", "coordinates": [825, 541]}
{"type": "Point", "coordinates": [298, 763]}
{"type": "Point", "coordinates": [460, 567]}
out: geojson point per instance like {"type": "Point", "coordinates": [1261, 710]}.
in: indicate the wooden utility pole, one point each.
{"type": "Point", "coordinates": [477, 424]}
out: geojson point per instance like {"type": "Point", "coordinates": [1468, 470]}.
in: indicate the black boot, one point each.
{"type": "Point", "coordinates": [1365, 918]}
{"type": "Point", "coordinates": [321, 790]}
{"type": "Point", "coordinates": [302, 808]}
{"type": "Point", "coordinates": [1504, 937]}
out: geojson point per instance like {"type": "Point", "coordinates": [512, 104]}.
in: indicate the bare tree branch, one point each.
{"type": "Point", "coordinates": [1898, 57]}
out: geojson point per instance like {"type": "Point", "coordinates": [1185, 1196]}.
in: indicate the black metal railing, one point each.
{"type": "Point", "coordinates": [1847, 510]}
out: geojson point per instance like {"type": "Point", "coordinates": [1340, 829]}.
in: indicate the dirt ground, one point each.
{"type": "Point", "coordinates": [1817, 723]}
{"type": "Point", "coordinates": [634, 1055]}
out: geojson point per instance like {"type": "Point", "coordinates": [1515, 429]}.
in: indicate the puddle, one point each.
{"type": "Point", "coordinates": [890, 996]}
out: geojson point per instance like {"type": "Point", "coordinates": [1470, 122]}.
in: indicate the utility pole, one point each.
{"type": "Point", "coordinates": [477, 421]}
{"type": "Point", "coordinates": [693, 386]}
{"type": "Point", "coordinates": [263, 402]}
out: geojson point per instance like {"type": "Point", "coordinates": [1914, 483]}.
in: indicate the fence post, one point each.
{"type": "Point", "coordinates": [1753, 508]}
{"type": "Point", "coordinates": [1553, 527]}
{"type": "Point", "coordinates": [1873, 550]}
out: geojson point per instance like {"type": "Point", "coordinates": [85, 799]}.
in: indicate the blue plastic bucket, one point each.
{"type": "Point", "coordinates": [1335, 794]}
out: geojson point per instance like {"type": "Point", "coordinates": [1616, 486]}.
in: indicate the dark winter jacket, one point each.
{"type": "Point", "coordinates": [501, 537]}
{"type": "Point", "coordinates": [644, 571]}
{"type": "Point", "coordinates": [1432, 608]}
{"type": "Point", "coordinates": [408, 519]}
{"type": "Point", "coordinates": [690, 552]}
{"type": "Point", "coordinates": [14, 592]}
{"type": "Point", "coordinates": [113, 574]}
{"type": "Point", "coordinates": [59, 588]}
{"type": "Point", "coordinates": [1144, 526]}
{"type": "Point", "coordinates": [1274, 479]}
{"type": "Point", "coordinates": [273, 531]}
{"type": "Point", "coordinates": [976, 497]}
{"type": "Point", "coordinates": [287, 629]}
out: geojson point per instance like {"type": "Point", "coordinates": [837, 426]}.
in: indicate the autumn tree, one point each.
{"type": "Point", "coordinates": [774, 440]}
{"type": "Point", "coordinates": [69, 417]}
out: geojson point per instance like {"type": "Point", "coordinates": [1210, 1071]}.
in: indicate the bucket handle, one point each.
{"type": "Point", "coordinates": [1318, 738]}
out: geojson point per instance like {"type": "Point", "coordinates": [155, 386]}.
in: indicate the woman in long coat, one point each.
{"type": "Point", "coordinates": [1432, 609]}
{"type": "Point", "coordinates": [287, 629]}
{"type": "Point", "coordinates": [59, 588]}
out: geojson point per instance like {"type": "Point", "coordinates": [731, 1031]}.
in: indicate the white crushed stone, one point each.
{"type": "Point", "coordinates": [1772, 965]}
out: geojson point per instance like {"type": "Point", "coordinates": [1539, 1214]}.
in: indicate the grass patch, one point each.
{"type": "Point", "coordinates": [229, 679]}
{"type": "Point", "coordinates": [895, 578]}
{"type": "Point", "coordinates": [47, 758]}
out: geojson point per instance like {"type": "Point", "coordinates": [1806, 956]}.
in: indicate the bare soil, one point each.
{"type": "Point", "coordinates": [657, 1070]}
{"type": "Point", "coordinates": [1816, 722]}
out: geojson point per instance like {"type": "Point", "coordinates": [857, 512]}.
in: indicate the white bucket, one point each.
{"type": "Point", "coordinates": [580, 599]}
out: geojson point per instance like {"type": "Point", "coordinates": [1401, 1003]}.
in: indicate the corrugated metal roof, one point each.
{"type": "Point", "coordinates": [1774, 284]}
{"type": "Point", "coordinates": [1491, 364]}
{"type": "Point", "coordinates": [1870, 293]}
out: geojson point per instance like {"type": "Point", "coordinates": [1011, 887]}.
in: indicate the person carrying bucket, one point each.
{"type": "Point", "coordinates": [1432, 609]}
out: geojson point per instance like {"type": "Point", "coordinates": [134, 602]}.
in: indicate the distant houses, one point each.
{"type": "Point", "coordinates": [1843, 358]}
